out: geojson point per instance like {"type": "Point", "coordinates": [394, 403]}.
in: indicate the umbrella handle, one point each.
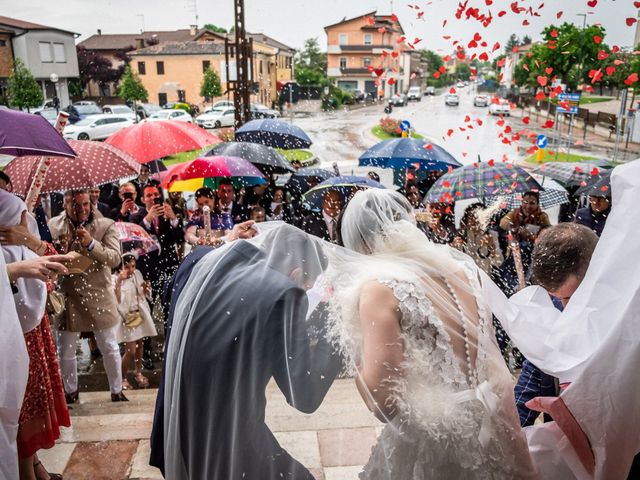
{"type": "Point", "coordinates": [207, 221]}
{"type": "Point", "coordinates": [36, 184]}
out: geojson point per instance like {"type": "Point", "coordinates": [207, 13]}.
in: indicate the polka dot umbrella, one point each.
{"type": "Point", "coordinates": [97, 163]}
{"type": "Point", "coordinates": [146, 141]}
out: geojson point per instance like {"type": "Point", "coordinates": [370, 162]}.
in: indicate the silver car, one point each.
{"type": "Point", "coordinates": [480, 101]}
{"type": "Point", "coordinates": [452, 99]}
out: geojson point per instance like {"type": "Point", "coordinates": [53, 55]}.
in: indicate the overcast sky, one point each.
{"type": "Point", "coordinates": [292, 22]}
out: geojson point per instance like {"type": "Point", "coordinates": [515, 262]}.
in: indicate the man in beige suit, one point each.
{"type": "Point", "coordinates": [90, 297]}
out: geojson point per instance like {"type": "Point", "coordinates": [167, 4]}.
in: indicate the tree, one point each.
{"type": "Point", "coordinates": [210, 86]}
{"type": "Point", "coordinates": [526, 40]}
{"type": "Point", "coordinates": [513, 41]}
{"type": "Point", "coordinates": [463, 71]}
{"type": "Point", "coordinates": [131, 88]}
{"type": "Point", "coordinates": [95, 67]}
{"type": "Point", "coordinates": [24, 91]}
{"type": "Point", "coordinates": [214, 28]}
{"type": "Point", "coordinates": [434, 61]}
{"type": "Point", "coordinates": [311, 64]}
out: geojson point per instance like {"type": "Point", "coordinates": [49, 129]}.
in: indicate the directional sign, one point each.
{"type": "Point", "coordinates": [573, 99]}
{"type": "Point", "coordinates": [405, 125]}
{"type": "Point", "coordinates": [542, 141]}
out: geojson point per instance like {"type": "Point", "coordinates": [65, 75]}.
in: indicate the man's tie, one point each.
{"type": "Point", "coordinates": [333, 230]}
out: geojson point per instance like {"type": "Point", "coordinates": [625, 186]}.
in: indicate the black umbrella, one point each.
{"type": "Point", "coordinates": [156, 166]}
{"type": "Point", "coordinates": [305, 178]}
{"type": "Point", "coordinates": [267, 159]}
{"type": "Point", "coordinates": [598, 186]}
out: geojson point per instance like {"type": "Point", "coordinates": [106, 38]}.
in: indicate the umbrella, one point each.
{"type": "Point", "coordinates": [147, 141]}
{"type": "Point", "coordinates": [267, 159]}
{"type": "Point", "coordinates": [299, 181]}
{"type": "Point", "coordinates": [156, 166]}
{"type": "Point", "coordinates": [598, 186]}
{"type": "Point", "coordinates": [24, 134]}
{"type": "Point", "coordinates": [273, 133]}
{"type": "Point", "coordinates": [345, 185]}
{"type": "Point", "coordinates": [481, 180]}
{"type": "Point", "coordinates": [96, 163]}
{"type": "Point", "coordinates": [207, 171]}
{"type": "Point", "coordinates": [571, 174]}
{"type": "Point", "coordinates": [553, 194]}
{"type": "Point", "coordinates": [135, 238]}
{"type": "Point", "coordinates": [401, 153]}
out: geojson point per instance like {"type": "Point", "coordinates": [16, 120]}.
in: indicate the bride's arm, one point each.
{"type": "Point", "coordinates": [382, 351]}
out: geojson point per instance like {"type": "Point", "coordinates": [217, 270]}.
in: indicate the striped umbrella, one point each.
{"type": "Point", "coordinates": [481, 180]}
{"type": "Point", "coordinates": [553, 194]}
{"type": "Point", "coordinates": [572, 174]}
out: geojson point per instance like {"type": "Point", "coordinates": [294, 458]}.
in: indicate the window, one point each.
{"type": "Point", "coordinates": [343, 63]}
{"type": "Point", "coordinates": [206, 64]}
{"type": "Point", "coordinates": [3, 43]}
{"type": "Point", "coordinates": [366, 62]}
{"type": "Point", "coordinates": [182, 96]}
{"type": "Point", "coordinates": [344, 38]}
{"type": "Point", "coordinates": [368, 39]}
{"type": "Point", "coordinates": [45, 52]}
{"type": "Point", "coordinates": [58, 53]}
{"type": "Point", "coordinates": [160, 68]}
{"type": "Point", "coordinates": [142, 70]}
{"type": "Point", "coordinates": [162, 98]}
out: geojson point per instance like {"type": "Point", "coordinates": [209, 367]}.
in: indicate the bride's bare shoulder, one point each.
{"type": "Point", "coordinates": [374, 292]}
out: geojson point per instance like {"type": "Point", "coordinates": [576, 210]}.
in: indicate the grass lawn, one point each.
{"type": "Point", "coordinates": [562, 157]}
{"type": "Point", "coordinates": [589, 99]}
{"type": "Point", "coordinates": [382, 135]}
{"type": "Point", "coordinates": [291, 155]}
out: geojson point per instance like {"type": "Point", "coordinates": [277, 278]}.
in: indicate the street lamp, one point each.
{"type": "Point", "coordinates": [56, 101]}
{"type": "Point", "coordinates": [584, 18]}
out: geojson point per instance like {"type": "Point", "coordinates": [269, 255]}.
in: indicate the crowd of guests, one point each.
{"type": "Point", "coordinates": [118, 303]}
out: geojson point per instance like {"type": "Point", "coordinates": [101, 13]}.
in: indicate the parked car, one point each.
{"type": "Point", "coordinates": [260, 111]}
{"type": "Point", "coordinates": [414, 93]}
{"type": "Point", "coordinates": [361, 95]}
{"type": "Point", "coordinates": [480, 101]}
{"type": "Point", "coordinates": [221, 103]}
{"type": "Point", "coordinates": [50, 114]}
{"type": "Point", "coordinates": [178, 115]}
{"type": "Point", "coordinates": [460, 85]}
{"type": "Point", "coordinates": [85, 102]}
{"type": "Point", "coordinates": [145, 110]}
{"type": "Point", "coordinates": [80, 112]}
{"type": "Point", "coordinates": [500, 108]}
{"type": "Point", "coordinates": [119, 109]}
{"type": "Point", "coordinates": [430, 91]}
{"type": "Point", "coordinates": [217, 118]}
{"type": "Point", "coordinates": [97, 127]}
{"type": "Point", "coordinates": [452, 99]}
{"type": "Point", "coordinates": [398, 100]}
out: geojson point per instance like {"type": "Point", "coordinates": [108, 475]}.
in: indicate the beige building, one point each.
{"type": "Point", "coordinates": [357, 45]}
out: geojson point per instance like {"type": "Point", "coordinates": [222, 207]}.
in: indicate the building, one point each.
{"type": "Point", "coordinates": [48, 52]}
{"type": "Point", "coordinates": [356, 55]}
{"type": "Point", "coordinates": [114, 47]}
{"type": "Point", "coordinates": [508, 81]}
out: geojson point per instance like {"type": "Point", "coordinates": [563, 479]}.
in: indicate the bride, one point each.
{"type": "Point", "coordinates": [410, 320]}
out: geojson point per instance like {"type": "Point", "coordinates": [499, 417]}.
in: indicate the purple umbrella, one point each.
{"type": "Point", "coordinates": [27, 134]}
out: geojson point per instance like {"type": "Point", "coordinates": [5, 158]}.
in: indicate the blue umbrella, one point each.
{"type": "Point", "coordinates": [299, 181]}
{"type": "Point", "coordinates": [401, 153]}
{"type": "Point", "coordinates": [345, 185]}
{"type": "Point", "coordinates": [273, 133]}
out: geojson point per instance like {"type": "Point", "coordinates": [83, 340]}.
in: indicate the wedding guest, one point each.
{"type": "Point", "coordinates": [476, 241]}
{"type": "Point", "coordinates": [258, 214]}
{"type": "Point", "coordinates": [128, 206]}
{"type": "Point", "coordinates": [98, 206]}
{"type": "Point", "coordinates": [325, 224]}
{"type": "Point", "coordinates": [595, 215]}
{"type": "Point", "coordinates": [142, 181]}
{"type": "Point", "coordinates": [440, 228]}
{"type": "Point", "coordinates": [132, 292]}
{"type": "Point", "coordinates": [227, 206]}
{"type": "Point", "coordinates": [278, 208]}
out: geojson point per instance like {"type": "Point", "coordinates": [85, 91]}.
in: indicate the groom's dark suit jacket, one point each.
{"type": "Point", "coordinates": [235, 344]}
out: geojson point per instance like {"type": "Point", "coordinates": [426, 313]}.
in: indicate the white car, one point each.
{"type": "Point", "coordinates": [178, 115]}
{"type": "Point", "coordinates": [96, 127]}
{"type": "Point", "coordinates": [217, 118]}
{"type": "Point", "coordinates": [452, 99]}
{"type": "Point", "coordinates": [500, 108]}
{"type": "Point", "coordinates": [119, 110]}
{"type": "Point", "coordinates": [414, 93]}
{"type": "Point", "coordinates": [480, 101]}
{"type": "Point", "coordinates": [221, 103]}
{"type": "Point", "coordinates": [460, 85]}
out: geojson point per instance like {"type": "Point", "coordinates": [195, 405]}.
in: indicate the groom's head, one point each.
{"type": "Point", "coordinates": [561, 258]}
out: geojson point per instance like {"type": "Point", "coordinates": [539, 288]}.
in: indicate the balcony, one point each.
{"type": "Point", "coordinates": [374, 49]}
{"type": "Point", "coordinates": [356, 71]}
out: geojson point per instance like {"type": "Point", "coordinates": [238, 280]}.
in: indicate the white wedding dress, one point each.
{"type": "Point", "coordinates": [455, 412]}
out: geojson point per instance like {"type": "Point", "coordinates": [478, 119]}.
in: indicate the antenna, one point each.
{"type": "Point", "coordinates": [142, 18]}
{"type": "Point", "coordinates": [192, 5]}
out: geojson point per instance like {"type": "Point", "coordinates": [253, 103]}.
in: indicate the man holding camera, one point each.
{"type": "Point", "coordinates": [128, 194]}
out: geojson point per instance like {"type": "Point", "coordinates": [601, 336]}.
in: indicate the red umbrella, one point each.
{"type": "Point", "coordinates": [146, 141]}
{"type": "Point", "coordinates": [96, 163]}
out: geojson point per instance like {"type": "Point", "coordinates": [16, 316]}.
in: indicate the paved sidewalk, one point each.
{"type": "Point", "coordinates": [110, 440]}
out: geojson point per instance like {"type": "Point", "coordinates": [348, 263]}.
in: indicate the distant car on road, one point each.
{"type": "Point", "coordinates": [398, 100]}
{"type": "Point", "coordinates": [50, 114]}
{"type": "Point", "coordinates": [261, 111]}
{"type": "Point", "coordinates": [414, 93]}
{"type": "Point", "coordinates": [500, 108]}
{"type": "Point", "coordinates": [480, 101]}
{"type": "Point", "coordinates": [452, 99]}
{"type": "Point", "coordinates": [361, 95]}
{"type": "Point", "coordinates": [430, 91]}
{"type": "Point", "coordinates": [97, 127]}
{"type": "Point", "coordinates": [177, 115]}
{"type": "Point", "coordinates": [460, 85]}
{"type": "Point", "coordinates": [217, 118]}
{"type": "Point", "coordinates": [119, 109]}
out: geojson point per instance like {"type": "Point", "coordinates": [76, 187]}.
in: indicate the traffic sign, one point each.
{"type": "Point", "coordinates": [405, 126]}
{"type": "Point", "coordinates": [573, 99]}
{"type": "Point", "coordinates": [542, 141]}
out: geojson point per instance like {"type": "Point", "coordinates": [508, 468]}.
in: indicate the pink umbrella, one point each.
{"type": "Point", "coordinates": [96, 163]}
{"type": "Point", "coordinates": [146, 141]}
{"type": "Point", "coordinates": [135, 238]}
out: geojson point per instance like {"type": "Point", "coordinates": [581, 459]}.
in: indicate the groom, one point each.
{"type": "Point", "coordinates": [249, 325]}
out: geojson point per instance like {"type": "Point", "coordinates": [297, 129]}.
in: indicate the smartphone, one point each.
{"type": "Point", "coordinates": [127, 195]}
{"type": "Point", "coordinates": [158, 201]}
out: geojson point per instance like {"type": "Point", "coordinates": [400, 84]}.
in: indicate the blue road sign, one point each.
{"type": "Point", "coordinates": [573, 99]}
{"type": "Point", "coordinates": [542, 141]}
{"type": "Point", "coordinates": [405, 125]}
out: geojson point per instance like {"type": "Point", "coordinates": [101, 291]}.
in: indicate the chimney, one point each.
{"type": "Point", "coordinates": [139, 42]}
{"type": "Point", "coordinates": [192, 30]}
{"type": "Point", "coordinates": [99, 31]}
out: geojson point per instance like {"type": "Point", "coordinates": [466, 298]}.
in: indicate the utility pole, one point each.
{"type": "Point", "coordinates": [244, 54]}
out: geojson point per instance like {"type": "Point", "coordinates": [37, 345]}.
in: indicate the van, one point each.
{"type": "Point", "coordinates": [414, 93]}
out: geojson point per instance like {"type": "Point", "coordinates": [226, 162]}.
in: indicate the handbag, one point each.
{"type": "Point", "coordinates": [133, 318]}
{"type": "Point", "coordinates": [56, 303]}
